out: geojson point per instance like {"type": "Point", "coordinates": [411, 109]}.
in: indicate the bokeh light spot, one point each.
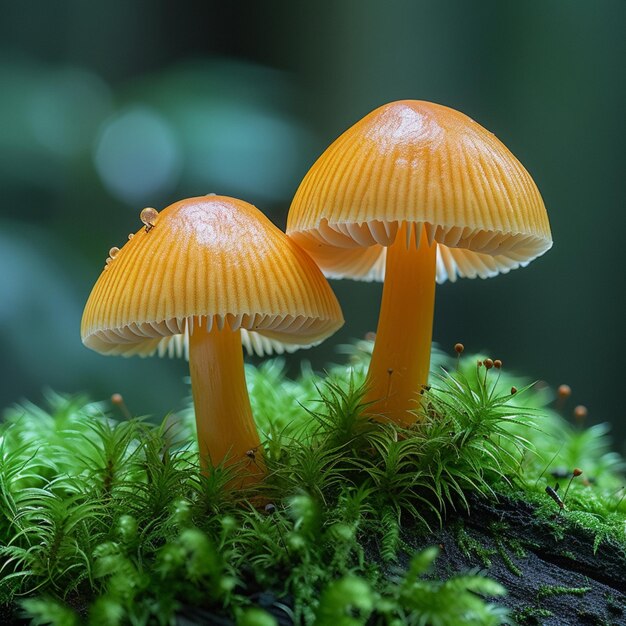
{"type": "Point", "coordinates": [137, 155]}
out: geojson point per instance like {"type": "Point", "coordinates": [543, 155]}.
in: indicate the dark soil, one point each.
{"type": "Point", "coordinates": [550, 581]}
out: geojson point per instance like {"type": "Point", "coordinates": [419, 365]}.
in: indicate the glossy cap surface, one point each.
{"type": "Point", "coordinates": [209, 260]}
{"type": "Point", "coordinates": [433, 167]}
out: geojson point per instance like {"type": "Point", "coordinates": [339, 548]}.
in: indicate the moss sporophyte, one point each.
{"type": "Point", "coordinates": [351, 478]}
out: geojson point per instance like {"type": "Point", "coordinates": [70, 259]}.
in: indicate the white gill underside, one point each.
{"type": "Point", "coordinates": [462, 252]}
{"type": "Point", "coordinates": [177, 346]}
{"type": "Point", "coordinates": [450, 266]}
{"type": "Point", "coordinates": [384, 233]}
{"type": "Point", "coordinates": [171, 337]}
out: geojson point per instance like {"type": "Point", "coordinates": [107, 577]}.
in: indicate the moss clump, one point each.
{"type": "Point", "coordinates": [531, 615]}
{"type": "Point", "coordinates": [112, 522]}
{"type": "Point", "coordinates": [545, 591]}
{"type": "Point", "coordinates": [473, 548]}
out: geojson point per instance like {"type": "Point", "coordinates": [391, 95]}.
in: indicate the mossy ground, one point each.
{"type": "Point", "coordinates": [108, 520]}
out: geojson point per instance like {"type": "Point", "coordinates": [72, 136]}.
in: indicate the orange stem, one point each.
{"type": "Point", "coordinates": [226, 429]}
{"type": "Point", "coordinates": [401, 358]}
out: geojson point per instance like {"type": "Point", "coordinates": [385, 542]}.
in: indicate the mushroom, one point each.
{"type": "Point", "coordinates": [210, 273]}
{"type": "Point", "coordinates": [414, 193]}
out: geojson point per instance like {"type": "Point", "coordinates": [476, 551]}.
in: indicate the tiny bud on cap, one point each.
{"type": "Point", "coordinates": [458, 348]}
{"type": "Point", "coordinates": [116, 398]}
{"type": "Point", "coordinates": [564, 391]}
{"type": "Point", "coordinates": [577, 471]}
{"type": "Point", "coordinates": [580, 412]}
{"type": "Point", "coordinates": [488, 363]}
{"type": "Point", "coordinates": [497, 364]}
{"type": "Point", "coordinates": [479, 363]}
{"type": "Point", "coordinates": [513, 390]}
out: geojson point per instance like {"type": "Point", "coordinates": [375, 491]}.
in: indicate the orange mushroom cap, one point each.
{"type": "Point", "coordinates": [429, 166]}
{"type": "Point", "coordinates": [209, 260]}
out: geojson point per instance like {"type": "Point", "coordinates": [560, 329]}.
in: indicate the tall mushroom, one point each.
{"type": "Point", "coordinates": [412, 193]}
{"type": "Point", "coordinates": [204, 275]}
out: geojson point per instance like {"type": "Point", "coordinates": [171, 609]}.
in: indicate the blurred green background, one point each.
{"type": "Point", "coordinates": [108, 107]}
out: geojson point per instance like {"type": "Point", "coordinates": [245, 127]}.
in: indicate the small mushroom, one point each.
{"type": "Point", "coordinates": [414, 193]}
{"type": "Point", "coordinates": [214, 273]}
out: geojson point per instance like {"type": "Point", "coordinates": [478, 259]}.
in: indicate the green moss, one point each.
{"type": "Point", "coordinates": [506, 558]}
{"type": "Point", "coordinates": [531, 615]}
{"type": "Point", "coordinates": [472, 548]}
{"type": "Point", "coordinates": [546, 591]}
{"type": "Point", "coordinates": [118, 514]}
{"type": "Point", "coordinates": [614, 605]}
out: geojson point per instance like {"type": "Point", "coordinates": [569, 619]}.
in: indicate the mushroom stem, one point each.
{"type": "Point", "coordinates": [226, 429]}
{"type": "Point", "coordinates": [401, 357]}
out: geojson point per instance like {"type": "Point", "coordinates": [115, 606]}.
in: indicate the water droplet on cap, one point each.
{"type": "Point", "coordinates": [113, 252]}
{"type": "Point", "coordinates": [148, 216]}
{"type": "Point", "coordinates": [130, 236]}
